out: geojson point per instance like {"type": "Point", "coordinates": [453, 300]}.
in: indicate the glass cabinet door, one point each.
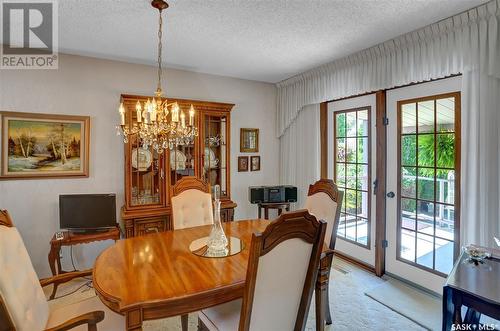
{"type": "Point", "coordinates": [215, 151]}
{"type": "Point", "coordinates": [146, 175]}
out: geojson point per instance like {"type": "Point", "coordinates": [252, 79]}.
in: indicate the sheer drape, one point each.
{"type": "Point", "coordinates": [467, 43]}
{"type": "Point", "coordinates": [300, 152]}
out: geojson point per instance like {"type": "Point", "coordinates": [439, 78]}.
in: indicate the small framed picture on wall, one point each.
{"type": "Point", "coordinates": [255, 163]}
{"type": "Point", "coordinates": [242, 163]}
{"type": "Point", "coordinates": [249, 140]}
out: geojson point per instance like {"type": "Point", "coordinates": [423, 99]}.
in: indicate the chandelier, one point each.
{"type": "Point", "coordinates": [159, 124]}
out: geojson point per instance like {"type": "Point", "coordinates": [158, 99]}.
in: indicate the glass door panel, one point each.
{"type": "Point", "coordinates": [215, 134]}
{"type": "Point", "coordinates": [352, 173]}
{"type": "Point", "coordinates": [423, 159]}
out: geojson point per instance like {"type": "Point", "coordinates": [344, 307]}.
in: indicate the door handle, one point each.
{"type": "Point", "coordinates": [391, 195]}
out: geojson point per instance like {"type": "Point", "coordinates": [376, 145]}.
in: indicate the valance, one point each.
{"type": "Point", "coordinates": [445, 48]}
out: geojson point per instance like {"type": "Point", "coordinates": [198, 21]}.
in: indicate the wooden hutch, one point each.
{"type": "Point", "coordinates": [150, 176]}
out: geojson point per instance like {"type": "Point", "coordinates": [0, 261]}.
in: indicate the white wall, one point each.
{"type": "Point", "coordinates": [87, 86]}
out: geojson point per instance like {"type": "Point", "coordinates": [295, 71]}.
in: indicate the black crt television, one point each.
{"type": "Point", "coordinates": [87, 212]}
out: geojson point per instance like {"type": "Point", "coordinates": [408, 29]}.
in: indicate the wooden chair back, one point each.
{"type": "Point", "coordinates": [281, 273]}
{"type": "Point", "coordinates": [191, 203]}
{"type": "Point", "coordinates": [324, 200]}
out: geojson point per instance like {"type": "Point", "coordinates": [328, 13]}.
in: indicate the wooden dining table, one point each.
{"type": "Point", "coordinates": [157, 276]}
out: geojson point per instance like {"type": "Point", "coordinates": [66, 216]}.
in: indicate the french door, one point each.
{"type": "Point", "coordinates": [351, 166]}
{"type": "Point", "coordinates": [423, 177]}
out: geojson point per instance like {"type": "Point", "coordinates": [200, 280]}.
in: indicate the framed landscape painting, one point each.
{"type": "Point", "coordinates": [42, 145]}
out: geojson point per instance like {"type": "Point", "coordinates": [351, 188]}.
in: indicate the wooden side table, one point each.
{"type": "Point", "coordinates": [75, 238]}
{"type": "Point", "coordinates": [272, 205]}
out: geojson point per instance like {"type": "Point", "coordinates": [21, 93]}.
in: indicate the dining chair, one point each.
{"type": "Point", "coordinates": [23, 305]}
{"type": "Point", "coordinates": [191, 206]}
{"type": "Point", "coordinates": [324, 200]}
{"type": "Point", "coordinates": [191, 203]}
{"type": "Point", "coordinates": [282, 269]}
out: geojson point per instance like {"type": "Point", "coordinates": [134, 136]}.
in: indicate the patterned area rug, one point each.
{"type": "Point", "coordinates": [351, 309]}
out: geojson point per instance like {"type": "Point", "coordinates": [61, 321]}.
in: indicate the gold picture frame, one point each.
{"type": "Point", "coordinates": [35, 146]}
{"type": "Point", "coordinates": [249, 140]}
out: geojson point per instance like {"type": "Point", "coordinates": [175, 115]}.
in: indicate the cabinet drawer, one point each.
{"type": "Point", "coordinates": [149, 225]}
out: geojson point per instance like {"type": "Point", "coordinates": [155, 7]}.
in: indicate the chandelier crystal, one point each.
{"type": "Point", "coordinates": [158, 124]}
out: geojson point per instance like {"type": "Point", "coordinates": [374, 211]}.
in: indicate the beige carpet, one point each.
{"type": "Point", "coordinates": [351, 309]}
{"type": "Point", "coordinates": [418, 306]}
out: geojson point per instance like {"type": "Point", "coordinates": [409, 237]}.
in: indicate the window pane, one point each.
{"type": "Point", "coordinates": [408, 181]}
{"type": "Point", "coordinates": [363, 150]}
{"type": "Point", "coordinates": [351, 176]}
{"type": "Point", "coordinates": [341, 228]}
{"type": "Point", "coordinates": [425, 217]}
{"type": "Point", "coordinates": [362, 231]}
{"type": "Point", "coordinates": [340, 121]}
{"type": "Point", "coordinates": [340, 155]}
{"type": "Point", "coordinates": [426, 150]}
{"type": "Point", "coordinates": [445, 109]}
{"type": "Point", "coordinates": [350, 231]}
{"type": "Point", "coordinates": [362, 177]}
{"type": "Point", "coordinates": [409, 118]}
{"type": "Point", "coordinates": [445, 186]}
{"type": "Point", "coordinates": [425, 247]}
{"type": "Point", "coordinates": [444, 255]}
{"type": "Point", "coordinates": [445, 221]}
{"type": "Point", "coordinates": [350, 202]}
{"type": "Point", "coordinates": [408, 213]}
{"type": "Point", "coordinates": [407, 250]}
{"type": "Point", "coordinates": [351, 149]}
{"type": "Point", "coordinates": [351, 124]}
{"type": "Point", "coordinates": [425, 184]}
{"type": "Point", "coordinates": [446, 150]}
{"type": "Point", "coordinates": [425, 116]}
{"type": "Point", "coordinates": [362, 204]}
{"type": "Point", "coordinates": [363, 123]}
{"type": "Point", "coordinates": [340, 170]}
{"type": "Point", "coordinates": [408, 150]}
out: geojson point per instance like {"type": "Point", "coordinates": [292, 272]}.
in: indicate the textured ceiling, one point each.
{"type": "Point", "coordinates": [265, 40]}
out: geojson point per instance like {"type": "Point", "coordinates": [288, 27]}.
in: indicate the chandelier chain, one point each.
{"type": "Point", "coordinates": [160, 35]}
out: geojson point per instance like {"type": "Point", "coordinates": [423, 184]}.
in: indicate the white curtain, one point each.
{"type": "Point", "coordinates": [300, 152]}
{"type": "Point", "coordinates": [467, 43]}
{"type": "Point", "coordinates": [480, 180]}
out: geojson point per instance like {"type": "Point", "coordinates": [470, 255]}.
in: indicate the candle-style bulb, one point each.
{"type": "Point", "coordinates": [191, 115]}
{"type": "Point", "coordinates": [121, 110]}
{"type": "Point", "coordinates": [183, 119]}
{"type": "Point", "coordinates": [138, 110]}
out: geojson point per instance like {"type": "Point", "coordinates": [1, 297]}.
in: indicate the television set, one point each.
{"type": "Point", "coordinates": [87, 212]}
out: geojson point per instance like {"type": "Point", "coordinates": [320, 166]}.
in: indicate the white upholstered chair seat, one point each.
{"type": "Point", "coordinates": [112, 321]}
{"type": "Point", "coordinates": [192, 208]}
{"type": "Point", "coordinates": [225, 317]}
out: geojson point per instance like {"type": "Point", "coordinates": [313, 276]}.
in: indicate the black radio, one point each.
{"type": "Point", "coordinates": [282, 193]}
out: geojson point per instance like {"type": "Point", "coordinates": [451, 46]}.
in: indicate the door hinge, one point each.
{"type": "Point", "coordinates": [375, 186]}
{"type": "Point", "coordinates": [385, 120]}
{"type": "Point", "coordinates": [385, 243]}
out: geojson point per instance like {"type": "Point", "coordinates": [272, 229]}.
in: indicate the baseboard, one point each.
{"type": "Point", "coordinates": [355, 261]}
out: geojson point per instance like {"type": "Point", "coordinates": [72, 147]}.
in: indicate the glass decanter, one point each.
{"type": "Point", "coordinates": [217, 241]}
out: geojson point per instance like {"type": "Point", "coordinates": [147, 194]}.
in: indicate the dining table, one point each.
{"type": "Point", "coordinates": [157, 276]}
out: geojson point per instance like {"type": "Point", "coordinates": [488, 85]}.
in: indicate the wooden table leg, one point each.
{"type": "Point", "coordinates": [54, 260]}
{"type": "Point", "coordinates": [133, 319]}
{"type": "Point", "coordinates": [321, 290]}
{"type": "Point", "coordinates": [266, 212]}
{"type": "Point", "coordinates": [260, 211]}
{"type": "Point", "coordinates": [184, 322]}
{"type": "Point", "coordinates": [279, 211]}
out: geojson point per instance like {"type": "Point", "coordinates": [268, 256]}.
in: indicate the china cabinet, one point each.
{"type": "Point", "coordinates": [150, 176]}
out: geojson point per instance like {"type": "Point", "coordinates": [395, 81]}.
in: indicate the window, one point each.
{"type": "Point", "coordinates": [352, 173]}
{"type": "Point", "coordinates": [428, 131]}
